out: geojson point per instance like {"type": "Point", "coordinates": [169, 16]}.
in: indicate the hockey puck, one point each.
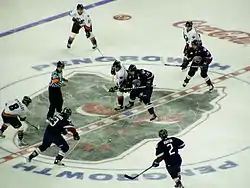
{"type": "Point", "coordinates": [122, 17]}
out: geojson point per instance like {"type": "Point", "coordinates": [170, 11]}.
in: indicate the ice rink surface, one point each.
{"type": "Point", "coordinates": [33, 35]}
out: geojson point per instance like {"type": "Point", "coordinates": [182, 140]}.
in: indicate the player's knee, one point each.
{"type": "Point", "coordinates": [42, 148]}
{"type": "Point", "coordinates": [203, 74]}
{"type": "Point", "coordinates": [146, 100]}
{"type": "Point", "coordinates": [191, 73]}
{"type": "Point", "coordinates": [119, 94]}
{"type": "Point", "coordinates": [65, 147]}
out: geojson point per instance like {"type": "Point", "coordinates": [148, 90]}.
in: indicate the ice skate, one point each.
{"type": "Point", "coordinates": [129, 105]}
{"type": "Point", "coordinates": [119, 107]}
{"type": "Point", "coordinates": [22, 144]}
{"type": "Point", "coordinates": [68, 45]}
{"type": "Point", "coordinates": [58, 162]}
{"type": "Point", "coordinates": [2, 135]}
{"type": "Point", "coordinates": [211, 88]}
{"type": "Point", "coordinates": [178, 185]}
{"type": "Point", "coordinates": [153, 117]}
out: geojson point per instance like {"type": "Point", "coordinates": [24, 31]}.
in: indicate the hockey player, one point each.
{"type": "Point", "coordinates": [200, 57]}
{"type": "Point", "coordinates": [59, 125]}
{"type": "Point", "coordinates": [190, 34]}
{"type": "Point", "coordinates": [120, 73]}
{"type": "Point", "coordinates": [81, 19]}
{"type": "Point", "coordinates": [167, 150]}
{"type": "Point", "coordinates": [142, 87]}
{"type": "Point", "coordinates": [14, 112]}
{"type": "Point", "coordinates": [55, 93]}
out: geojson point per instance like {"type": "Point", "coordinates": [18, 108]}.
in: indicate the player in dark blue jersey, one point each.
{"type": "Point", "coordinates": [167, 150]}
{"type": "Point", "coordinates": [58, 125]}
{"type": "Point", "coordinates": [142, 87]}
{"type": "Point", "coordinates": [200, 58]}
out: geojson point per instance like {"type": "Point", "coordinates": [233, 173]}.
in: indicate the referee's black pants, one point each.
{"type": "Point", "coordinates": [56, 101]}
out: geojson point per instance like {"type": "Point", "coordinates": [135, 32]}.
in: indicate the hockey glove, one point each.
{"type": "Point", "coordinates": [155, 163]}
{"type": "Point", "coordinates": [113, 89]}
{"type": "Point", "coordinates": [76, 136]}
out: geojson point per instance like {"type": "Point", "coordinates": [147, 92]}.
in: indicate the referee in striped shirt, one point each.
{"type": "Point", "coordinates": [55, 93]}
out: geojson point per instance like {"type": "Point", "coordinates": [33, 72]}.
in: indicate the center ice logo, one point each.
{"type": "Point", "coordinates": [93, 116]}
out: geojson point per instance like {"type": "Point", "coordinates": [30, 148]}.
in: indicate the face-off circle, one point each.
{"type": "Point", "coordinates": [122, 17]}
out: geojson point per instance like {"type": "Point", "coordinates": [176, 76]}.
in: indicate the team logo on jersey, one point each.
{"type": "Point", "coordinates": [122, 17]}
{"type": "Point", "coordinates": [106, 134]}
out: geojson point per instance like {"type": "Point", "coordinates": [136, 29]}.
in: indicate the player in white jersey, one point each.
{"type": "Point", "coordinates": [120, 73]}
{"type": "Point", "coordinates": [190, 34]}
{"type": "Point", "coordinates": [14, 112]}
{"type": "Point", "coordinates": [81, 19]}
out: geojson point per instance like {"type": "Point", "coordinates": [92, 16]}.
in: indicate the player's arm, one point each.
{"type": "Point", "coordinates": [179, 143]}
{"type": "Point", "coordinates": [159, 155]}
{"type": "Point", "coordinates": [72, 129]}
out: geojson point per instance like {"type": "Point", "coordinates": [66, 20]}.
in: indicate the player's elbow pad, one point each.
{"type": "Point", "coordinates": [181, 146]}
{"type": "Point", "coordinates": [72, 130]}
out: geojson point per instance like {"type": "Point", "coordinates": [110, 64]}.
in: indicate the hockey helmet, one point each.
{"type": "Point", "coordinates": [26, 100]}
{"type": "Point", "coordinates": [132, 68]}
{"type": "Point", "coordinates": [163, 133]}
{"type": "Point", "coordinates": [79, 7]}
{"type": "Point", "coordinates": [189, 24]}
{"type": "Point", "coordinates": [66, 112]}
{"type": "Point", "coordinates": [195, 43]}
{"type": "Point", "coordinates": [117, 65]}
{"type": "Point", "coordinates": [60, 64]}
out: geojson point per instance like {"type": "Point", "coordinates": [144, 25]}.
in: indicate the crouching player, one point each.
{"type": "Point", "coordinates": [58, 125]}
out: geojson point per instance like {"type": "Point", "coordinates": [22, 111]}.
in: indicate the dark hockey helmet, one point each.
{"type": "Point", "coordinates": [66, 112]}
{"type": "Point", "coordinates": [79, 7]}
{"type": "Point", "coordinates": [117, 65]}
{"type": "Point", "coordinates": [163, 133]}
{"type": "Point", "coordinates": [131, 69]}
{"type": "Point", "coordinates": [189, 24]}
{"type": "Point", "coordinates": [26, 100]}
{"type": "Point", "coordinates": [60, 64]}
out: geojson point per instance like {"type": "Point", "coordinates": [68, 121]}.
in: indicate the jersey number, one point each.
{"type": "Point", "coordinates": [171, 152]}
{"type": "Point", "coordinates": [13, 107]}
{"type": "Point", "coordinates": [54, 121]}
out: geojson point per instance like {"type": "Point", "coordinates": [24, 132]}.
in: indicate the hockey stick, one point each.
{"type": "Point", "coordinates": [30, 124]}
{"type": "Point", "coordinates": [72, 149]}
{"type": "Point", "coordinates": [134, 177]}
{"type": "Point", "coordinates": [171, 65]}
{"type": "Point", "coordinates": [100, 51]}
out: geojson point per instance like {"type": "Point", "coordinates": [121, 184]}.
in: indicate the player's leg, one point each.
{"type": "Point", "coordinates": [146, 98]}
{"type": "Point", "coordinates": [191, 73]}
{"type": "Point", "coordinates": [90, 36]}
{"type": "Point", "coordinates": [120, 100]}
{"type": "Point", "coordinates": [175, 172]}
{"type": "Point", "coordinates": [204, 70]}
{"type": "Point", "coordinates": [64, 147]}
{"type": "Point", "coordinates": [47, 141]}
{"type": "Point", "coordinates": [52, 100]}
{"type": "Point", "coordinates": [132, 96]}
{"type": "Point", "coordinates": [20, 132]}
{"type": "Point", "coordinates": [6, 123]}
{"type": "Point", "coordinates": [74, 32]}
{"type": "Point", "coordinates": [59, 101]}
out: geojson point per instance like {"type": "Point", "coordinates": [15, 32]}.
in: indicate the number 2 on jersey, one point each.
{"type": "Point", "coordinates": [171, 152]}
